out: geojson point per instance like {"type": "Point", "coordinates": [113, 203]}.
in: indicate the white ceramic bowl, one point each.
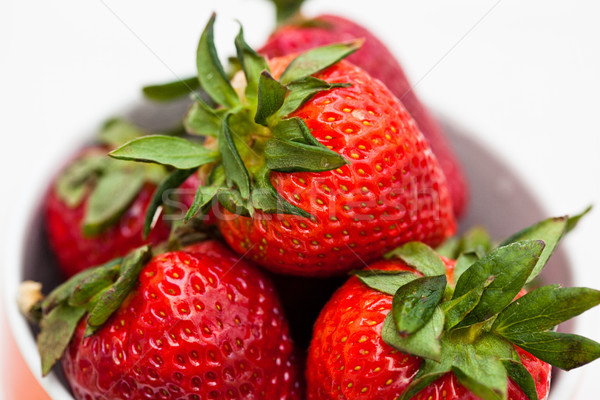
{"type": "Point", "coordinates": [499, 202]}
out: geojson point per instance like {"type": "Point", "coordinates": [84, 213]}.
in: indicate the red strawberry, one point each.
{"type": "Point", "coordinates": [388, 333]}
{"type": "Point", "coordinates": [389, 160]}
{"type": "Point", "coordinates": [317, 165]}
{"type": "Point", "coordinates": [79, 241]}
{"type": "Point", "coordinates": [199, 324]}
{"type": "Point", "coordinates": [376, 59]}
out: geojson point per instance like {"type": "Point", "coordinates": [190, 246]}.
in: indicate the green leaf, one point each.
{"type": "Point", "coordinates": [172, 90]}
{"type": "Point", "coordinates": [384, 281]}
{"type": "Point", "coordinates": [66, 289]}
{"type": "Point", "coordinates": [510, 266]}
{"type": "Point", "coordinates": [99, 279]}
{"type": "Point", "coordinates": [216, 177]}
{"type": "Point", "coordinates": [544, 308]}
{"type": "Point", "coordinates": [301, 91]}
{"type": "Point", "coordinates": [211, 74]}
{"type": "Point", "coordinates": [173, 181]}
{"type": "Point", "coordinates": [235, 170]}
{"type": "Point", "coordinates": [574, 220]}
{"type": "Point", "coordinates": [562, 350]}
{"type": "Point", "coordinates": [424, 343]}
{"type": "Point", "coordinates": [450, 248]}
{"type": "Point", "coordinates": [550, 231]}
{"type": "Point", "coordinates": [463, 263]}
{"type": "Point", "coordinates": [419, 256]}
{"type": "Point", "coordinates": [478, 367]}
{"type": "Point", "coordinates": [271, 95]}
{"type": "Point", "coordinates": [266, 198]}
{"type": "Point", "coordinates": [456, 310]}
{"type": "Point", "coordinates": [73, 183]}
{"type": "Point", "coordinates": [56, 330]}
{"type": "Point", "coordinates": [233, 202]}
{"type": "Point", "coordinates": [202, 198]}
{"type": "Point", "coordinates": [110, 300]}
{"type": "Point", "coordinates": [118, 131]}
{"type": "Point", "coordinates": [481, 388]}
{"type": "Point", "coordinates": [114, 192]}
{"type": "Point", "coordinates": [203, 120]}
{"type": "Point", "coordinates": [476, 240]}
{"type": "Point", "coordinates": [294, 130]}
{"type": "Point", "coordinates": [286, 10]}
{"type": "Point", "coordinates": [519, 374]}
{"type": "Point", "coordinates": [318, 59]}
{"type": "Point", "coordinates": [290, 156]}
{"type": "Point", "coordinates": [166, 150]}
{"type": "Point", "coordinates": [414, 303]}
{"type": "Point", "coordinates": [252, 64]}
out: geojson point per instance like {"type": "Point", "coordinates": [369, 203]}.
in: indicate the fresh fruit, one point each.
{"type": "Point", "coordinates": [197, 324]}
{"type": "Point", "coordinates": [299, 34]}
{"type": "Point", "coordinates": [81, 231]}
{"type": "Point", "coordinates": [419, 326]}
{"type": "Point", "coordinates": [95, 210]}
{"type": "Point", "coordinates": [316, 166]}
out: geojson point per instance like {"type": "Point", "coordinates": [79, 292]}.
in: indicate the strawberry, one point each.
{"type": "Point", "coordinates": [315, 165]}
{"type": "Point", "coordinates": [420, 326]}
{"type": "Point", "coordinates": [95, 210]}
{"type": "Point", "coordinates": [198, 323]}
{"type": "Point", "coordinates": [298, 34]}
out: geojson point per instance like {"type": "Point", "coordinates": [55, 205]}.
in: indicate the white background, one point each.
{"type": "Point", "coordinates": [522, 76]}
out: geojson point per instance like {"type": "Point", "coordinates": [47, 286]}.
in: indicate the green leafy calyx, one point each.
{"type": "Point", "coordinates": [109, 185]}
{"type": "Point", "coordinates": [248, 120]}
{"type": "Point", "coordinates": [471, 325]}
{"type": "Point", "coordinates": [94, 294]}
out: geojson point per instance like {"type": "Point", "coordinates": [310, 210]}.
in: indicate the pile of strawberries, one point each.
{"type": "Point", "coordinates": [307, 179]}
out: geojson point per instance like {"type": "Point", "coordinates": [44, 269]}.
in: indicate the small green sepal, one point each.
{"type": "Point", "coordinates": [510, 266]}
{"type": "Point", "coordinates": [173, 181]}
{"type": "Point", "coordinates": [424, 343]}
{"type": "Point", "coordinates": [97, 291]}
{"type": "Point", "coordinates": [271, 95]}
{"type": "Point", "coordinates": [114, 191]}
{"type": "Point", "coordinates": [165, 150]}
{"type": "Point", "coordinates": [252, 63]}
{"type": "Point", "coordinates": [211, 75]}
{"type": "Point", "coordinates": [385, 281]}
{"type": "Point", "coordinates": [203, 120]}
{"type": "Point", "coordinates": [413, 304]}
{"type": "Point", "coordinates": [419, 256]}
{"type": "Point", "coordinates": [111, 299]}
{"type": "Point", "coordinates": [318, 59]}
{"type": "Point", "coordinates": [171, 90]}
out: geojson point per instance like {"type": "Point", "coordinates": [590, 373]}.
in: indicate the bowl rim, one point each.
{"type": "Point", "coordinates": [29, 202]}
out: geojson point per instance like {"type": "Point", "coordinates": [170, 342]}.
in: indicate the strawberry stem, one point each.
{"type": "Point", "coordinates": [285, 10]}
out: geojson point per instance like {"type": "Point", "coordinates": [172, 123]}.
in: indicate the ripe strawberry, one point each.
{"type": "Point", "coordinates": [316, 166]}
{"type": "Point", "coordinates": [197, 324]}
{"type": "Point", "coordinates": [425, 327]}
{"type": "Point", "coordinates": [88, 227]}
{"type": "Point", "coordinates": [376, 59]}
